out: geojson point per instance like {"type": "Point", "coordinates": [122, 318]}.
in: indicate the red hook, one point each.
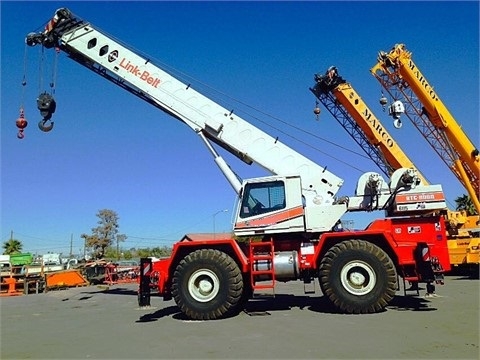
{"type": "Point", "coordinates": [21, 124]}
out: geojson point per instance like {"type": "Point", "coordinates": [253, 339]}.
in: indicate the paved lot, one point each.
{"type": "Point", "coordinates": [94, 323]}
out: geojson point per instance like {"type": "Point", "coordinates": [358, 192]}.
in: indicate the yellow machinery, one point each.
{"type": "Point", "coordinates": [347, 107]}
{"type": "Point", "coordinates": [401, 78]}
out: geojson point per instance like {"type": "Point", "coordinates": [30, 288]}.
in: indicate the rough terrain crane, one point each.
{"type": "Point", "coordinates": [285, 223]}
{"type": "Point", "coordinates": [402, 79]}
{"type": "Point", "coordinates": [348, 108]}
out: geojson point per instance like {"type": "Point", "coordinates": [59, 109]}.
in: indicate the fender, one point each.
{"type": "Point", "coordinates": [398, 237]}
{"type": "Point", "coordinates": [163, 269]}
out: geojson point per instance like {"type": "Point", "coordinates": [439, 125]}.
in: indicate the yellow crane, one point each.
{"type": "Point", "coordinates": [348, 108]}
{"type": "Point", "coordinates": [405, 83]}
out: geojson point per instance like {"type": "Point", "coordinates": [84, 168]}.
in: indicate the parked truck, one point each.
{"type": "Point", "coordinates": [51, 259]}
{"type": "Point", "coordinates": [285, 224]}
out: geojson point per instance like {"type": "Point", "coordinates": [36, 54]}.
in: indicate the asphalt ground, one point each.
{"type": "Point", "coordinates": [98, 323]}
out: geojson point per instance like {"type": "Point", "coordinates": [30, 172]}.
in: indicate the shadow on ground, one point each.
{"type": "Point", "coordinates": [410, 303]}
{"type": "Point", "coordinates": [465, 273]}
{"type": "Point", "coordinates": [284, 302]}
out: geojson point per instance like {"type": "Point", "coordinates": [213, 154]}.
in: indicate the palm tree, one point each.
{"type": "Point", "coordinates": [12, 246]}
{"type": "Point", "coordinates": [465, 203]}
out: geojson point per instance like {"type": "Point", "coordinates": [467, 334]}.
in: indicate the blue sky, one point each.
{"type": "Point", "coordinates": [111, 150]}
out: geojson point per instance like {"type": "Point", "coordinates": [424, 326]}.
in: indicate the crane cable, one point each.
{"type": "Point", "coordinates": [53, 82]}
{"type": "Point", "coordinates": [40, 67]}
{"type": "Point", "coordinates": [45, 101]}
{"type": "Point", "coordinates": [214, 91]}
{"type": "Point", "coordinates": [302, 141]}
{"type": "Point", "coordinates": [43, 64]}
{"type": "Point", "coordinates": [21, 121]}
{"type": "Point", "coordinates": [293, 127]}
{"type": "Point", "coordinates": [182, 75]}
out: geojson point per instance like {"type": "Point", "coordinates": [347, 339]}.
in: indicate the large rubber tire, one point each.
{"type": "Point", "coordinates": [207, 285]}
{"type": "Point", "coordinates": [358, 277]}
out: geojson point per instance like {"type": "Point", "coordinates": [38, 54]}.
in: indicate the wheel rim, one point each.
{"type": "Point", "coordinates": [203, 285]}
{"type": "Point", "coordinates": [358, 277]}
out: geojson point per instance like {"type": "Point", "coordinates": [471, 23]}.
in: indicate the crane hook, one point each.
{"type": "Point", "coordinates": [21, 124]}
{"type": "Point", "coordinates": [42, 125]}
{"type": "Point", "coordinates": [47, 105]}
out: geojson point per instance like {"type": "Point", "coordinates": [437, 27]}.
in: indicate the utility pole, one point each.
{"type": "Point", "coordinates": [218, 212]}
{"type": "Point", "coordinates": [71, 246]}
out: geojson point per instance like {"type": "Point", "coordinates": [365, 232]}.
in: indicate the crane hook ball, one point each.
{"type": "Point", "coordinates": [21, 123]}
{"type": "Point", "coordinates": [316, 111]}
{"type": "Point", "coordinates": [383, 101]}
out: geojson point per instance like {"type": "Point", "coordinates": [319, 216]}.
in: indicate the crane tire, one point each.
{"type": "Point", "coordinates": [247, 294]}
{"type": "Point", "coordinates": [358, 277]}
{"type": "Point", "coordinates": [207, 284]}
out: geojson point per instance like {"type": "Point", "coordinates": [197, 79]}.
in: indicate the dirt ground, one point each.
{"type": "Point", "coordinates": [98, 323]}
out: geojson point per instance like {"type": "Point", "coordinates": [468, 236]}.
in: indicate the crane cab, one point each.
{"type": "Point", "coordinates": [270, 204]}
{"type": "Point", "coordinates": [278, 204]}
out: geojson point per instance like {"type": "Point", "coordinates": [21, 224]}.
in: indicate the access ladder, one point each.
{"type": "Point", "coordinates": [261, 265]}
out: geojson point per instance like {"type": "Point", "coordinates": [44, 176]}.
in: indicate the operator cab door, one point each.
{"type": "Point", "coordinates": [270, 205]}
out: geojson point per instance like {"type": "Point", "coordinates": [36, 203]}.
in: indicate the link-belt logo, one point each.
{"type": "Point", "coordinates": [143, 75]}
{"type": "Point", "coordinates": [422, 81]}
{"type": "Point", "coordinates": [375, 124]}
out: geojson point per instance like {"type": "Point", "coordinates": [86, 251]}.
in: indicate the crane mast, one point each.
{"type": "Point", "coordinates": [402, 79]}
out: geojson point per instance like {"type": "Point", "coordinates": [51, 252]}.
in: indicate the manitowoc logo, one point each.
{"type": "Point", "coordinates": [143, 75]}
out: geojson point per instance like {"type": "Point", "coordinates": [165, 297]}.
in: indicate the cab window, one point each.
{"type": "Point", "coordinates": [260, 198]}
